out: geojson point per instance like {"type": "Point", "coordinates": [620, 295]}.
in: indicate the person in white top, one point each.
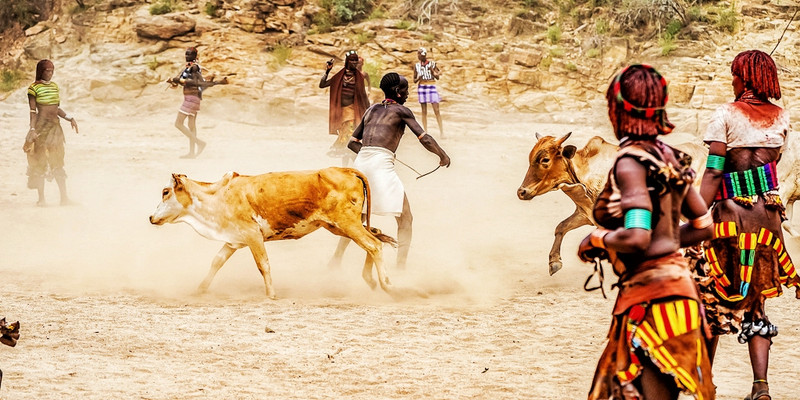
{"type": "Point", "coordinates": [426, 73]}
{"type": "Point", "coordinates": [746, 259]}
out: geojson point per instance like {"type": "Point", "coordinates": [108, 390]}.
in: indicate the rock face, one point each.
{"type": "Point", "coordinates": [163, 26]}
{"type": "Point", "coordinates": [490, 54]}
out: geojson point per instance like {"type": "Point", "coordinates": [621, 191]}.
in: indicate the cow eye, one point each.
{"type": "Point", "coordinates": [544, 160]}
{"type": "Point", "coordinates": [165, 193]}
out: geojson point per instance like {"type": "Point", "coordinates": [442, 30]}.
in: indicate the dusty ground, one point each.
{"type": "Point", "coordinates": [107, 310]}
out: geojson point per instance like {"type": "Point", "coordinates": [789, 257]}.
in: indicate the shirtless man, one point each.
{"type": "Point", "coordinates": [191, 78]}
{"type": "Point", "coordinates": [375, 140]}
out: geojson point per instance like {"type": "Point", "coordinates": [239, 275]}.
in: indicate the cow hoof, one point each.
{"type": "Point", "coordinates": [555, 266]}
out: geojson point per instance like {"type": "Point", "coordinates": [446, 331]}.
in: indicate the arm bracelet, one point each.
{"type": "Point", "coordinates": [715, 162]}
{"type": "Point", "coordinates": [703, 221]}
{"type": "Point", "coordinates": [597, 238]}
{"type": "Point", "coordinates": [638, 218]}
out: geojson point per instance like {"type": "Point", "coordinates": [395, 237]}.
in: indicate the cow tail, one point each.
{"type": "Point", "coordinates": [374, 231]}
{"type": "Point", "coordinates": [366, 193]}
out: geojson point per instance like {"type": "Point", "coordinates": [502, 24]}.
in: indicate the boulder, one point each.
{"type": "Point", "coordinates": [165, 26]}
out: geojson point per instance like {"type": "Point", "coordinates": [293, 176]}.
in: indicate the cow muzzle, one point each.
{"type": "Point", "coordinates": [524, 194]}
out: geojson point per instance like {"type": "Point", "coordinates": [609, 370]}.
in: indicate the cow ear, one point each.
{"type": "Point", "coordinates": [569, 151]}
{"type": "Point", "coordinates": [177, 180]}
{"type": "Point", "coordinates": [538, 136]}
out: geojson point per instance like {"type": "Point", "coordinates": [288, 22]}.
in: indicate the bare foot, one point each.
{"type": "Point", "coordinates": [68, 202]}
{"type": "Point", "coordinates": [41, 203]}
{"type": "Point", "coordinates": [188, 155]}
{"type": "Point", "coordinates": [201, 145]}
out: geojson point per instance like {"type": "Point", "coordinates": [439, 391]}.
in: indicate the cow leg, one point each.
{"type": "Point", "coordinates": [576, 220]}
{"type": "Point", "coordinates": [787, 225]}
{"type": "Point", "coordinates": [262, 262]}
{"type": "Point", "coordinates": [223, 255]}
{"type": "Point", "coordinates": [404, 233]}
{"type": "Point", "coordinates": [336, 260]}
{"type": "Point", "coordinates": [366, 273]}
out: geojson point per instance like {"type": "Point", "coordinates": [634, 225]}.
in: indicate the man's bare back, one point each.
{"type": "Point", "coordinates": [383, 125]}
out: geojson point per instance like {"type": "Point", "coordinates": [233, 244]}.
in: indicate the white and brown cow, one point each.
{"type": "Point", "coordinates": [581, 175]}
{"type": "Point", "coordinates": [246, 211]}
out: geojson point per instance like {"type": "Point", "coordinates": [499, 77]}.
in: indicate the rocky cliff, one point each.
{"type": "Point", "coordinates": [513, 56]}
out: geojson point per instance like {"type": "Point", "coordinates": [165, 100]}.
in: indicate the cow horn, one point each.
{"type": "Point", "coordinates": [538, 136]}
{"type": "Point", "coordinates": [563, 138]}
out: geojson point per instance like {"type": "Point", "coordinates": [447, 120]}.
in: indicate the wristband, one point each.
{"type": "Point", "coordinates": [638, 218]}
{"type": "Point", "coordinates": [597, 238]}
{"type": "Point", "coordinates": [34, 111]}
{"type": "Point", "coordinates": [32, 129]}
{"type": "Point", "coordinates": [703, 221]}
{"type": "Point", "coordinates": [715, 162]}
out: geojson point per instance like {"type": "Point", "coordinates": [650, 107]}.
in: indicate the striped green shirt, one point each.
{"type": "Point", "coordinates": [45, 93]}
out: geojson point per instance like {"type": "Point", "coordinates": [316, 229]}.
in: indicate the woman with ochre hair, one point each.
{"type": "Point", "coordinates": [44, 144]}
{"type": "Point", "coordinates": [657, 343]}
{"type": "Point", "coordinates": [746, 258]}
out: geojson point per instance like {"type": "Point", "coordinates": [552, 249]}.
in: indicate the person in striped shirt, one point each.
{"type": "Point", "coordinates": [44, 144]}
{"type": "Point", "coordinates": [426, 73]}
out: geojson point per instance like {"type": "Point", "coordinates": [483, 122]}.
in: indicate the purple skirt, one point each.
{"type": "Point", "coordinates": [428, 94]}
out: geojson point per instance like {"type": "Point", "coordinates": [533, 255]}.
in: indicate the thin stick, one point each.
{"type": "Point", "coordinates": [428, 173]}
{"type": "Point", "coordinates": [784, 32]}
{"type": "Point", "coordinates": [409, 167]}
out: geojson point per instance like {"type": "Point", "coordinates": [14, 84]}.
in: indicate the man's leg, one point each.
{"type": "Point", "coordinates": [186, 132]}
{"type": "Point", "coordinates": [404, 233]}
{"type": "Point", "coordinates": [438, 118]}
{"type": "Point", "coordinates": [193, 128]}
{"type": "Point", "coordinates": [424, 116]}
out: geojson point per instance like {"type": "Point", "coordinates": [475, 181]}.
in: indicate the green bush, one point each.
{"type": "Point", "coordinates": [601, 26]}
{"type": "Point", "coordinates": [429, 37]}
{"type": "Point", "coordinates": [571, 67]}
{"type": "Point", "coordinates": [162, 7]}
{"type": "Point", "coordinates": [727, 20]}
{"type": "Point", "coordinates": [667, 44]}
{"type": "Point", "coordinates": [344, 11]}
{"type": "Point", "coordinates": [153, 64]}
{"type": "Point", "coordinates": [24, 12]}
{"type": "Point", "coordinates": [322, 23]}
{"type": "Point", "coordinates": [10, 79]}
{"type": "Point", "coordinates": [404, 24]}
{"type": "Point", "coordinates": [497, 47]}
{"type": "Point", "coordinates": [211, 8]}
{"type": "Point", "coordinates": [546, 62]}
{"type": "Point", "coordinates": [673, 27]}
{"type": "Point", "coordinates": [373, 68]}
{"type": "Point", "coordinates": [557, 52]}
{"type": "Point", "coordinates": [377, 13]}
{"type": "Point", "coordinates": [593, 52]}
{"type": "Point", "coordinates": [554, 34]}
{"type": "Point", "coordinates": [281, 54]}
{"type": "Point", "coordinates": [364, 36]}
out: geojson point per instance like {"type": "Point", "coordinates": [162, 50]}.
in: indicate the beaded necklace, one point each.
{"type": "Point", "coordinates": [386, 102]}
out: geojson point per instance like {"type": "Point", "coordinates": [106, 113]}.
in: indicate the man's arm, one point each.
{"type": "Point", "coordinates": [325, 82]}
{"type": "Point", "coordinates": [416, 75]}
{"type": "Point", "coordinates": [435, 70]}
{"type": "Point", "coordinates": [358, 134]}
{"type": "Point", "coordinates": [427, 141]}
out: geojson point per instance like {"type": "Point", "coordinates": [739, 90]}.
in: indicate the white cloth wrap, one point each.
{"type": "Point", "coordinates": [730, 125]}
{"type": "Point", "coordinates": [385, 186]}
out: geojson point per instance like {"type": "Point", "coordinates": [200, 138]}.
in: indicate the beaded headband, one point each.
{"type": "Point", "coordinates": [350, 53]}
{"type": "Point", "coordinates": [644, 112]}
{"type": "Point", "coordinates": [647, 112]}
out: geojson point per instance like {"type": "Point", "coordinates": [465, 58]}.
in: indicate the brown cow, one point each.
{"type": "Point", "coordinates": [249, 210]}
{"type": "Point", "coordinates": [581, 175]}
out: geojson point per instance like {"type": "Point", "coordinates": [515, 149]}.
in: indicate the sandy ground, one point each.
{"type": "Point", "coordinates": [108, 311]}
